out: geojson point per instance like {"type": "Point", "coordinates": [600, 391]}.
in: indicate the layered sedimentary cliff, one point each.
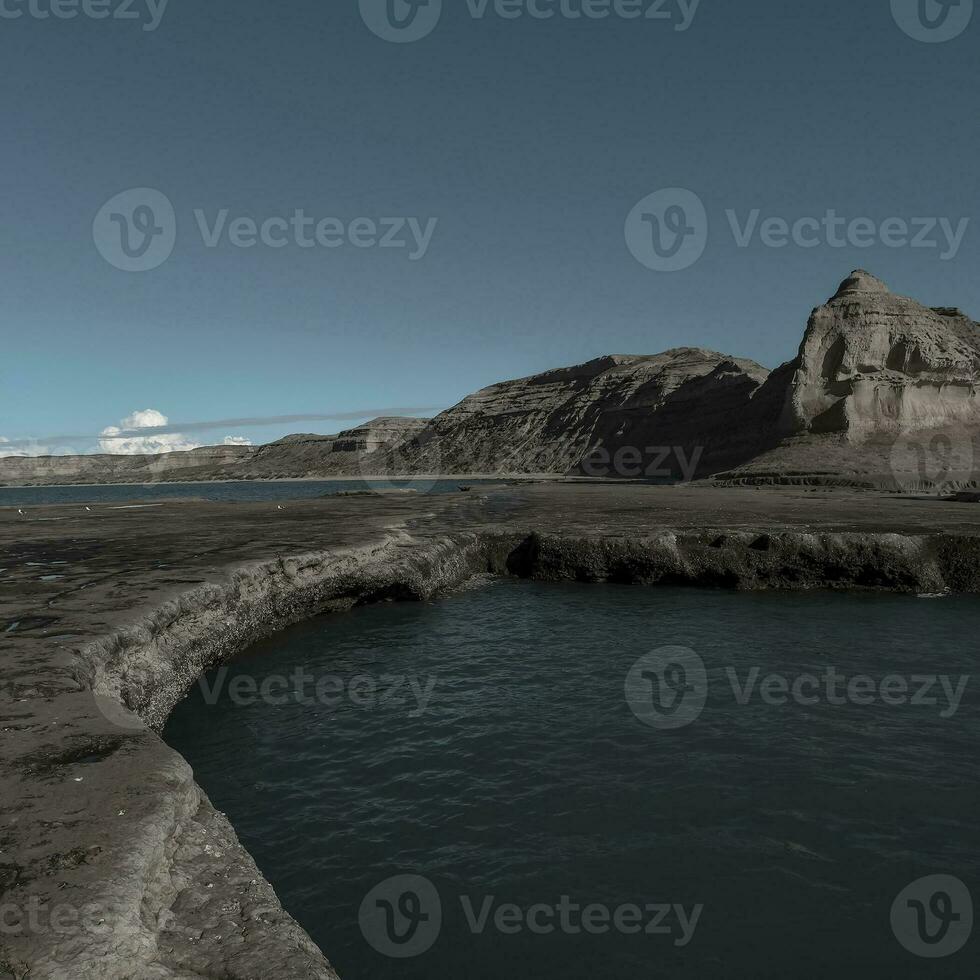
{"type": "Point", "coordinates": [873, 363]}
{"type": "Point", "coordinates": [207, 463]}
{"type": "Point", "coordinates": [576, 419]}
{"type": "Point", "coordinates": [295, 456]}
{"type": "Point", "coordinates": [883, 393]}
{"type": "Point", "coordinates": [344, 454]}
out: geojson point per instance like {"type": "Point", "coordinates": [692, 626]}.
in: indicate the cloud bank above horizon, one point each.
{"type": "Point", "coordinates": [148, 431]}
{"type": "Point", "coordinates": [119, 440]}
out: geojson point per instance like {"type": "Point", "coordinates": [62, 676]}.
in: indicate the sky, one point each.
{"type": "Point", "coordinates": [244, 210]}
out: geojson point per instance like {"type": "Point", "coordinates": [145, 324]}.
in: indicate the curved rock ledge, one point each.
{"type": "Point", "coordinates": [113, 862]}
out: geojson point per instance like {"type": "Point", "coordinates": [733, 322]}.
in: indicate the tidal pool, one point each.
{"type": "Point", "coordinates": [529, 780]}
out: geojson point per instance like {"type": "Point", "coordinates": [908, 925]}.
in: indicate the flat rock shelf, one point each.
{"type": "Point", "coordinates": [109, 615]}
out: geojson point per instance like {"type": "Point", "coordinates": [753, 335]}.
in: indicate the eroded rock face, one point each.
{"type": "Point", "coordinates": [381, 433]}
{"type": "Point", "coordinates": [208, 462]}
{"type": "Point", "coordinates": [300, 455]}
{"type": "Point", "coordinates": [329, 455]}
{"type": "Point", "coordinates": [873, 363]}
{"type": "Point", "coordinates": [550, 422]}
{"type": "Point", "coordinates": [883, 393]}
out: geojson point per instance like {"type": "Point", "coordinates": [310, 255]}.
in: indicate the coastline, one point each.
{"type": "Point", "coordinates": [98, 658]}
{"type": "Point", "coordinates": [427, 477]}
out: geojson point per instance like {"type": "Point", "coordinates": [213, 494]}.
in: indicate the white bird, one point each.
{"type": "Point", "coordinates": [89, 509]}
{"type": "Point", "coordinates": [279, 507]}
{"type": "Point", "coordinates": [19, 511]}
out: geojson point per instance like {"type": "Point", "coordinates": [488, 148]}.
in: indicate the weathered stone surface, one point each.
{"type": "Point", "coordinates": [883, 392]}
{"type": "Point", "coordinates": [547, 423]}
{"type": "Point", "coordinates": [873, 363]}
{"type": "Point", "coordinates": [98, 814]}
{"type": "Point", "coordinates": [207, 463]}
{"type": "Point", "coordinates": [294, 457]}
{"type": "Point", "coordinates": [379, 434]}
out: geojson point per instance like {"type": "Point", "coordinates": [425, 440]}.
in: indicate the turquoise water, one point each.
{"type": "Point", "coordinates": [515, 764]}
{"type": "Point", "coordinates": [257, 490]}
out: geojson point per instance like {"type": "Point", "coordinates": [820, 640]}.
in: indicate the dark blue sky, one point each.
{"type": "Point", "coordinates": [528, 140]}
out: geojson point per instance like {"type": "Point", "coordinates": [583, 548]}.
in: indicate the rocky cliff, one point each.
{"type": "Point", "coordinates": [293, 457]}
{"type": "Point", "coordinates": [883, 393]}
{"type": "Point", "coordinates": [578, 419]}
{"type": "Point", "coordinates": [873, 363]}
{"type": "Point", "coordinates": [207, 463]}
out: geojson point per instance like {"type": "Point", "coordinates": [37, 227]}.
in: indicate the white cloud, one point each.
{"type": "Point", "coordinates": [112, 440]}
{"type": "Point", "coordinates": [155, 442]}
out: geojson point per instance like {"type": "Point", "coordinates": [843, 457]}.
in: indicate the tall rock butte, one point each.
{"type": "Point", "coordinates": [884, 390]}
{"type": "Point", "coordinates": [873, 363]}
